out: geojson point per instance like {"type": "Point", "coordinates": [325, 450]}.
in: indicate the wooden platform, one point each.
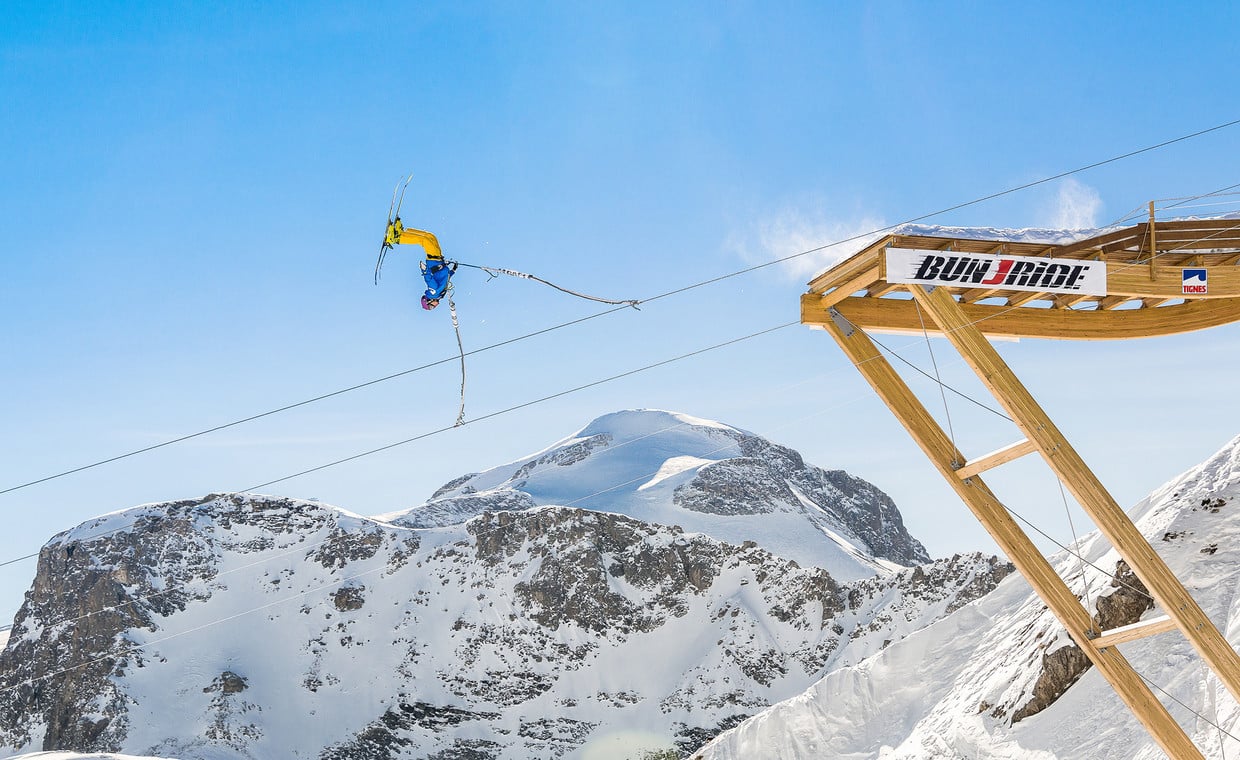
{"type": "Point", "coordinates": [1144, 296]}
{"type": "Point", "coordinates": [1145, 280]}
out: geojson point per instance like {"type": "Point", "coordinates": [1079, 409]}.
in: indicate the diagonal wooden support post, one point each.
{"type": "Point", "coordinates": [1060, 599]}
{"type": "Point", "coordinates": [1084, 485]}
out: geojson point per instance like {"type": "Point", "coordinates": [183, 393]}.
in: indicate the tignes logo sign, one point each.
{"type": "Point", "coordinates": [986, 270]}
{"type": "Point", "coordinates": [1195, 282]}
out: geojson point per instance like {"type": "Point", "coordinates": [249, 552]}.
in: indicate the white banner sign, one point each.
{"type": "Point", "coordinates": [986, 270]}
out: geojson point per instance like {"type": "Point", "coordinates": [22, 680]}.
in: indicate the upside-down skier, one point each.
{"type": "Point", "coordinates": [437, 272]}
{"type": "Point", "coordinates": [435, 269]}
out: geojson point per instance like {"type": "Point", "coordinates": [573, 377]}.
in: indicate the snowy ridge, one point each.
{"type": "Point", "coordinates": [1040, 235]}
{"type": "Point", "coordinates": [79, 756]}
{"type": "Point", "coordinates": [703, 476]}
{"type": "Point", "coordinates": [1012, 235]}
{"type": "Point", "coordinates": [980, 668]}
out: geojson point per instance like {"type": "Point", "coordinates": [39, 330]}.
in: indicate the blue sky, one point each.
{"type": "Point", "coordinates": [194, 194]}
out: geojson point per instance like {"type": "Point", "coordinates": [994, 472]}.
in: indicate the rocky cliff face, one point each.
{"type": "Point", "coordinates": [237, 623]}
{"type": "Point", "coordinates": [102, 590]}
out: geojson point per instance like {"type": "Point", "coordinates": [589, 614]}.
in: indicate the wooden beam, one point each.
{"type": "Point", "coordinates": [1153, 246]}
{"type": "Point", "coordinates": [1123, 236]}
{"type": "Point", "coordinates": [998, 522]}
{"type": "Point", "coordinates": [859, 281]}
{"type": "Point", "coordinates": [886, 289]}
{"type": "Point", "coordinates": [1026, 297]}
{"type": "Point", "coordinates": [900, 315]}
{"type": "Point", "coordinates": [1067, 302]}
{"type": "Point", "coordinates": [1083, 484]}
{"type": "Point", "coordinates": [1199, 224]}
{"type": "Point", "coordinates": [1110, 302]}
{"type": "Point", "coordinates": [1207, 238]}
{"type": "Point", "coordinates": [977, 294]}
{"type": "Point", "coordinates": [1140, 630]}
{"type": "Point", "coordinates": [996, 458]}
{"type": "Point", "coordinates": [867, 258]}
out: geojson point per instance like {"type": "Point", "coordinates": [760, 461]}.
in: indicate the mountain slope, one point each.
{"type": "Point", "coordinates": [249, 626]}
{"type": "Point", "coordinates": [704, 476]}
{"type": "Point", "coordinates": [997, 679]}
{"type": "Point", "coordinates": [499, 620]}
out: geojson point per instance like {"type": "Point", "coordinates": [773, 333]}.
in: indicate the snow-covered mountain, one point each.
{"type": "Point", "coordinates": [81, 756]}
{"type": "Point", "coordinates": [673, 469]}
{"type": "Point", "coordinates": [992, 680]}
{"type": "Point", "coordinates": [241, 625]}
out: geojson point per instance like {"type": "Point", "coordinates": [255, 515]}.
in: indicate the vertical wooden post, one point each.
{"type": "Point", "coordinates": [1089, 492]}
{"type": "Point", "coordinates": [1153, 245]}
{"type": "Point", "coordinates": [991, 513]}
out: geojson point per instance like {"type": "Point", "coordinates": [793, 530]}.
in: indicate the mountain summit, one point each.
{"type": "Point", "coordinates": [704, 476]}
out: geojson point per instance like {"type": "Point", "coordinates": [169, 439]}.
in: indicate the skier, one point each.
{"type": "Point", "coordinates": [435, 270]}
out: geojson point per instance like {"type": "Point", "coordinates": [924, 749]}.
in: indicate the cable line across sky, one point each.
{"type": "Point", "coordinates": [660, 296]}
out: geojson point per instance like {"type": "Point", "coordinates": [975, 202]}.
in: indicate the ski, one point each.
{"type": "Point", "coordinates": [390, 231]}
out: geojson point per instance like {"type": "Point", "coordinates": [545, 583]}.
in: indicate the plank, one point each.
{"type": "Point", "coordinates": [1136, 631]}
{"type": "Point", "coordinates": [996, 458]}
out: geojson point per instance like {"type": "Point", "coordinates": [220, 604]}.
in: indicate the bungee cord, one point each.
{"type": "Point", "coordinates": [496, 271]}
{"type": "Point", "coordinates": [456, 327]}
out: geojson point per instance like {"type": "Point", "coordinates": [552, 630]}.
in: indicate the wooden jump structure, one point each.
{"type": "Point", "coordinates": [1154, 278]}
